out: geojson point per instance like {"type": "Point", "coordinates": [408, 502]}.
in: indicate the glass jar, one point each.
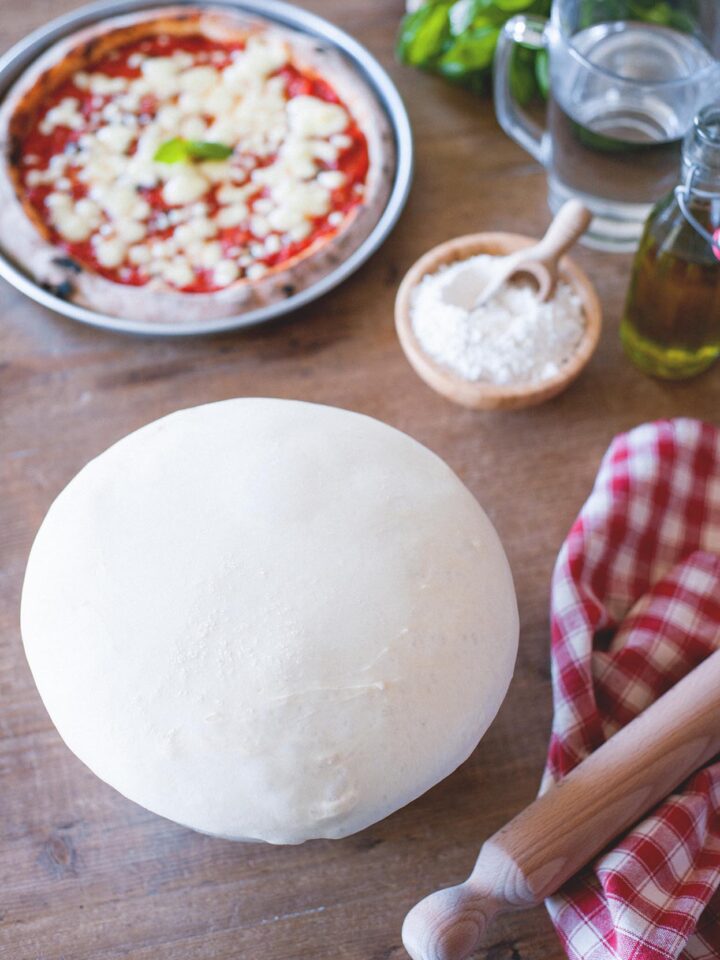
{"type": "Point", "coordinates": [671, 324]}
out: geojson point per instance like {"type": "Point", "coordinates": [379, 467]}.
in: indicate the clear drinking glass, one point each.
{"type": "Point", "coordinates": [626, 80]}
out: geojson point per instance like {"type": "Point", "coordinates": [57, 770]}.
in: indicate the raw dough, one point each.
{"type": "Point", "coordinates": [269, 620]}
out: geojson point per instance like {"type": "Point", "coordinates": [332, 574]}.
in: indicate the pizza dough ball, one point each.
{"type": "Point", "coordinates": [269, 620]}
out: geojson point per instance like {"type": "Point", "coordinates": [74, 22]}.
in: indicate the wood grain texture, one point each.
{"type": "Point", "coordinates": [86, 875]}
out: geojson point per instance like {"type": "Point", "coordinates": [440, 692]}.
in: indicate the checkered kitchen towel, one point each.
{"type": "Point", "coordinates": [635, 606]}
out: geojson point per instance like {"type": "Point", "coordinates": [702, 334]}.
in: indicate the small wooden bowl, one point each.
{"type": "Point", "coordinates": [479, 395]}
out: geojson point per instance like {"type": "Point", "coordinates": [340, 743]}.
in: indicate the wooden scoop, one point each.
{"type": "Point", "coordinates": [541, 261]}
{"type": "Point", "coordinates": [532, 856]}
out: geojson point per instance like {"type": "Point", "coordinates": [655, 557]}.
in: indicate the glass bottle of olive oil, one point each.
{"type": "Point", "coordinates": [671, 324]}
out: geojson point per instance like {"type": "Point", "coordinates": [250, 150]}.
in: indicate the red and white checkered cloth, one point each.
{"type": "Point", "coordinates": [635, 606]}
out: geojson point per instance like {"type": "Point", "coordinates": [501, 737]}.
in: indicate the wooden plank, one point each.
{"type": "Point", "coordinates": [86, 874]}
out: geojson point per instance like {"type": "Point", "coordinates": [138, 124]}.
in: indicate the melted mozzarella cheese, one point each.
{"type": "Point", "coordinates": [179, 272]}
{"type": "Point", "coordinates": [297, 203]}
{"type": "Point", "coordinates": [193, 128]}
{"type": "Point", "coordinates": [199, 228]}
{"type": "Point", "coordinates": [208, 254]}
{"type": "Point", "coordinates": [120, 201]}
{"type": "Point", "coordinates": [218, 101]}
{"type": "Point", "coordinates": [256, 271]}
{"type": "Point", "coordinates": [323, 150]}
{"type": "Point", "coordinates": [259, 59]}
{"type": "Point", "coordinates": [65, 114]}
{"type": "Point", "coordinates": [228, 193]}
{"type": "Point", "coordinates": [131, 231]}
{"type": "Point", "coordinates": [232, 215]}
{"type": "Point", "coordinates": [72, 224]}
{"type": "Point", "coordinates": [89, 211]}
{"type": "Point", "coordinates": [199, 79]}
{"type": "Point", "coordinates": [225, 273]}
{"type": "Point", "coordinates": [341, 140]}
{"type": "Point", "coordinates": [160, 75]}
{"type": "Point", "coordinates": [140, 254]}
{"type": "Point", "coordinates": [169, 117]}
{"type": "Point", "coordinates": [102, 85]}
{"type": "Point", "coordinates": [111, 252]}
{"type": "Point", "coordinates": [217, 171]}
{"type": "Point", "coordinates": [184, 186]}
{"type": "Point", "coordinates": [312, 117]}
{"type": "Point", "coordinates": [272, 244]}
{"type": "Point", "coordinates": [116, 137]}
{"type": "Point", "coordinates": [332, 179]}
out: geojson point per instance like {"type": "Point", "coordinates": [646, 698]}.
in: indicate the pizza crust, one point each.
{"type": "Point", "coordinates": [25, 238]}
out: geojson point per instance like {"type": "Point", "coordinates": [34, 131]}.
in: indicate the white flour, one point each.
{"type": "Point", "coordinates": [514, 338]}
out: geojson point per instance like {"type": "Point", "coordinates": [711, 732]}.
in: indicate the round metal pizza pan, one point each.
{"type": "Point", "coordinates": [23, 53]}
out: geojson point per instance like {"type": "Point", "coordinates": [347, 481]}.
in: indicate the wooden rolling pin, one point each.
{"type": "Point", "coordinates": [532, 856]}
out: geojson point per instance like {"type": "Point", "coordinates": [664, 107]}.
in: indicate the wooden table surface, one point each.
{"type": "Point", "coordinates": [86, 874]}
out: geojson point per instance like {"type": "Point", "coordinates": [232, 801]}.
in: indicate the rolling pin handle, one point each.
{"type": "Point", "coordinates": [449, 924]}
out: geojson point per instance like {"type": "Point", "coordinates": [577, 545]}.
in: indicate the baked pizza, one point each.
{"type": "Point", "coordinates": [188, 163]}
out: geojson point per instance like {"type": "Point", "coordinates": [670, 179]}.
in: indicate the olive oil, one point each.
{"type": "Point", "coordinates": [671, 323]}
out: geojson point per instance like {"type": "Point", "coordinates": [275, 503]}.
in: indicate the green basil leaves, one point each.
{"type": "Point", "coordinates": [179, 150]}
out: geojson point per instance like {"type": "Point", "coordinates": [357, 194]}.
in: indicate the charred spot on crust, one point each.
{"type": "Point", "coordinates": [89, 48]}
{"type": "Point", "coordinates": [67, 263]}
{"type": "Point", "coordinates": [288, 289]}
{"type": "Point", "coordinates": [63, 290]}
{"type": "Point", "coordinates": [14, 151]}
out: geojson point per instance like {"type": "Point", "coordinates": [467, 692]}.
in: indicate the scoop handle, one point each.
{"type": "Point", "coordinates": [548, 842]}
{"type": "Point", "coordinates": [541, 259]}
{"type": "Point", "coordinates": [570, 222]}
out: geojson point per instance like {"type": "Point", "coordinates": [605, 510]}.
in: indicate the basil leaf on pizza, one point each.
{"type": "Point", "coordinates": [178, 150]}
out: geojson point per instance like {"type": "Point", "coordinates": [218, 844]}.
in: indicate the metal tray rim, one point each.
{"type": "Point", "coordinates": [20, 55]}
